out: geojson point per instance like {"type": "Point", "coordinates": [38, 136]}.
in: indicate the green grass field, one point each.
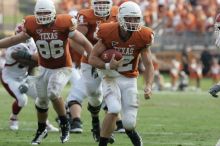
{"type": "Point", "coordinates": [168, 119]}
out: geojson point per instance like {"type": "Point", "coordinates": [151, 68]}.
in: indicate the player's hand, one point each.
{"type": "Point", "coordinates": [147, 92]}
{"type": "Point", "coordinates": [114, 64]}
{"type": "Point", "coordinates": [214, 90]}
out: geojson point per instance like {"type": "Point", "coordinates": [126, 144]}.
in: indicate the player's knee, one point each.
{"type": "Point", "coordinates": [42, 103]}
{"type": "Point", "coordinates": [76, 95]}
{"type": "Point", "coordinates": [114, 108]}
{"type": "Point", "coordinates": [129, 122]}
{"type": "Point", "coordinates": [95, 100]}
{"type": "Point", "coordinates": [41, 110]}
{"type": "Point", "coordinates": [22, 101]}
{"type": "Point", "coordinates": [94, 109]}
{"type": "Point", "coordinates": [52, 95]}
{"type": "Point", "coordinates": [73, 102]}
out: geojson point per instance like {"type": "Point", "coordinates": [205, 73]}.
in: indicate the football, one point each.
{"type": "Point", "coordinates": [106, 56]}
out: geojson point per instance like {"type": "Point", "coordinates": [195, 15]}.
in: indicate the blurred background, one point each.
{"type": "Point", "coordinates": [183, 52]}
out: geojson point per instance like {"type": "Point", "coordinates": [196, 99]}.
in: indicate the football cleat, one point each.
{"type": "Point", "coordinates": [51, 128]}
{"type": "Point", "coordinates": [13, 124]}
{"type": "Point", "coordinates": [111, 140]}
{"type": "Point", "coordinates": [40, 135]}
{"type": "Point", "coordinates": [64, 132]}
{"type": "Point", "coordinates": [120, 130]}
{"type": "Point", "coordinates": [76, 127]}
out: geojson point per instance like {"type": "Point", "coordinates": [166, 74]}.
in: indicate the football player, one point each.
{"type": "Point", "coordinates": [50, 32]}
{"type": "Point", "coordinates": [89, 84]}
{"type": "Point", "coordinates": [133, 40]}
{"type": "Point", "coordinates": [15, 74]}
{"type": "Point", "coordinates": [216, 88]}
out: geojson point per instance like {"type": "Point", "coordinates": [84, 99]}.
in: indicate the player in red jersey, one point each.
{"type": "Point", "coordinates": [50, 33]}
{"type": "Point", "coordinates": [133, 40]}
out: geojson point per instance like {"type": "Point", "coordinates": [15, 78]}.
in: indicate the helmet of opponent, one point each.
{"type": "Point", "coordinates": [102, 8]}
{"type": "Point", "coordinates": [45, 11]}
{"type": "Point", "coordinates": [130, 16]}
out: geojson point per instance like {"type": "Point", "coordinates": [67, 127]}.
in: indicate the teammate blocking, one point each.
{"type": "Point", "coordinates": [50, 32]}
{"type": "Point", "coordinates": [89, 85]}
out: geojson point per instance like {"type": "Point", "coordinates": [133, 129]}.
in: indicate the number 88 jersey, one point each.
{"type": "Point", "coordinates": [51, 40]}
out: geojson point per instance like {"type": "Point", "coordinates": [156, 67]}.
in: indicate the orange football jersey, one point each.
{"type": "Point", "coordinates": [86, 17]}
{"type": "Point", "coordinates": [76, 57]}
{"type": "Point", "coordinates": [130, 49]}
{"type": "Point", "coordinates": [51, 40]}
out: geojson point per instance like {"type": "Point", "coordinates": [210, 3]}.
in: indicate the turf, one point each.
{"type": "Point", "coordinates": [167, 119]}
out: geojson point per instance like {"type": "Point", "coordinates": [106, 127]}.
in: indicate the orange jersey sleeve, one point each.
{"type": "Point", "coordinates": [52, 40]}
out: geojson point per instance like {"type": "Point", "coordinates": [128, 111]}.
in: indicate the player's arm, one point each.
{"type": "Point", "coordinates": [148, 74]}
{"type": "Point", "coordinates": [77, 47]}
{"type": "Point", "coordinates": [97, 62]}
{"type": "Point", "coordinates": [94, 58]}
{"type": "Point", "coordinates": [82, 24]}
{"type": "Point", "coordinates": [13, 40]}
{"type": "Point", "coordinates": [79, 41]}
{"type": "Point", "coordinates": [83, 29]}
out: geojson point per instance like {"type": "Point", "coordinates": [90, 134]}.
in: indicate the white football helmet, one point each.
{"type": "Point", "coordinates": [45, 11]}
{"type": "Point", "coordinates": [130, 16]}
{"type": "Point", "coordinates": [102, 8]}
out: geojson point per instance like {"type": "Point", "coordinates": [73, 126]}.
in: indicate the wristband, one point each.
{"type": "Point", "coordinates": [85, 54]}
{"type": "Point", "coordinates": [107, 65]}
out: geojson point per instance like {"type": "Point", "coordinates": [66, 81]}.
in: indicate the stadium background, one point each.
{"type": "Point", "coordinates": [184, 31]}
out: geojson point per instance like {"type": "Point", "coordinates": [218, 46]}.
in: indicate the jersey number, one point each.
{"type": "Point", "coordinates": [50, 49]}
{"type": "Point", "coordinates": [127, 65]}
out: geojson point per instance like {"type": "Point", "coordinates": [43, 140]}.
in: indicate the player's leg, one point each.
{"type": "Point", "coordinates": [119, 125]}
{"type": "Point", "coordinates": [74, 101]}
{"type": "Point", "coordinates": [112, 100]}
{"type": "Point", "coordinates": [75, 109]}
{"type": "Point", "coordinates": [11, 85]}
{"type": "Point", "coordinates": [41, 105]}
{"type": "Point", "coordinates": [129, 108]}
{"type": "Point", "coordinates": [30, 89]}
{"type": "Point", "coordinates": [57, 79]}
{"type": "Point", "coordinates": [92, 84]}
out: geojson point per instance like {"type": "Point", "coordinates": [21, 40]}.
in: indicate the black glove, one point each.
{"type": "Point", "coordinates": [94, 72]}
{"type": "Point", "coordinates": [23, 88]}
{"type": "Point", "coordinates": [214, 90]}
{"type": "Point", "coordinates": [23, 54]}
